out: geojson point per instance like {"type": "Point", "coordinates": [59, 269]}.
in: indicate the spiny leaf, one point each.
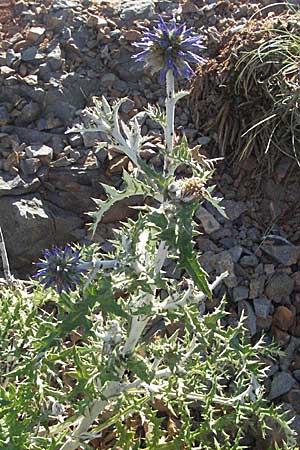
{"type": "Point", "coordinates": [133, 187]}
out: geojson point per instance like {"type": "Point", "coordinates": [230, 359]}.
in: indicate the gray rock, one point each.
{"type": "Point", "coordinates": [54, 58]}
{"type": "Point", "coordinates": [17, 185]}
{"type": "Point", "coordinates": [257, 286]}
{"type": "Point", "coordinates": [281, 384]}
{"type": "Point", "coordinates": [210, 224]}
{"type": "Point", "coordinates": [236, 252]}
{"type": "Point", "coordinates": [29, 113]}
{"type": "Point", "coordinates": [35, 33]}
{"type": "Point", "coordinates": [39, 151]}
{"type": "Point", "coordinates": [250, 322]}
{"type": "Point", "coordinates": [249, 261]}
{"type": "Point", "coordinates": [127, 106]}
{"type": "Point", "coordinates": [4, 116]}
{"type": "Point", "coordinates": [234, 209]}
{"type": "Point", "coordinates": [36, 225]}
{"type": "Point", "coordinates": [30, 165]}
{"type": "Point", "coordinates": [137, 9]}
{"type": "Point", "coordinates": [32, 54]}
{"type": "Point", "coordinates": [240, 293]}
{"type": "Point", "coordinates": [262, 307]}
{"type": "Point", "coordinates": [281, 285]}
{"type": "Point", "coordinates": [225, 264]}
{"type": "Point", "coordinates": [284, 254]}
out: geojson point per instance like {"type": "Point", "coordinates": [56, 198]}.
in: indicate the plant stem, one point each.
{"type": "Point", "coordinates": [170, 114]}
{"type": "Point", "coordinates": [5, 262]}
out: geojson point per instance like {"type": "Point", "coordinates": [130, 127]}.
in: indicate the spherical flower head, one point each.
{"type": "Point", "coordinates": [60, 268]}
{"type": "Point", "coordinates": [170, 48]}
{"type": "Point", "coordinates": [187, 189]}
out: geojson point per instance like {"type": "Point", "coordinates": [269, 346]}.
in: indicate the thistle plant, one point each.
{"type": "Point", "coordinates": [118, 350]}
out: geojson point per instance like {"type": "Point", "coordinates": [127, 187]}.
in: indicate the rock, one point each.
{"type": "Point", "coordinates": [4, 116]}
{"type": "Point", "coordinates": [283, 254]}
{"type": "Point", "coordinates": [262, 307]}
{"type": "Point", "coordinates": [234, 209]}
{"type": "Point", "coordinates": [36, 225]}
{"type": "Point", "coordinates": [210, 224]}
{"type": "Point", "coordinates": [294, 399]}
{"type": "Point", "coordinates": [137, 9]}
{"type": "Point", "coordinates": [39, 151]}
{"type": "Point", "coordinates": [30, 165]}
{"type": "Point", "coordinates": [35, 33]}
{"type": "Point", "coordinates": [32, 54]}
{"type": "Point", "coordinates": [281, 384]}
{"type": "Point", "coordinates": [29, 113]}
{"type": "Point", "coordinates": [54, 57]}
{"type": "Point", "coordinates": [250, 321]}
{"type": "Point", "coordinates": [283, 318]}
{"type": "Point", "coordinates": [257, 286]}
{"type": "Point", "coordinates": [236, 252]}
{"type": "Point", "coordinates": [279, 287]}
{"type": "Point", "coordinates": [17, 185]}
{"type": "Point", "coordinates": [225, 264]}
{"type": "Point", "coordinates": [287, 357]}
{"type": "Point", "coordinates": [249, 261]}
{"type": "Point", "coordinates": [240, 293]}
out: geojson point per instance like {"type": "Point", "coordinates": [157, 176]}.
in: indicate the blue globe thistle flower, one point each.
{"type": "Point", "coordinates": [170, 48]}
{"type": "Point", "coordinates": [60, 268]}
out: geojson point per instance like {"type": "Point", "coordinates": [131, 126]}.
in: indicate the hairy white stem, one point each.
{"type": "Point", "coordinates": [170, 115]}
{"type": "Point", "coordinates": [5, 262]}
{"type": "Point", "coordinates": [96, 266]}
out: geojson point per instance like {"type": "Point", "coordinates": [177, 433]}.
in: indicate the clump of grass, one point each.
{"type": "Point", "coordinates": [254, 89]}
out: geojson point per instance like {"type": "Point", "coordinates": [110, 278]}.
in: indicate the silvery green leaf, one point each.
{"type": "Point", "coordinates": [180, 95]}
{"type": "Point", "coordinates": [133, 187]}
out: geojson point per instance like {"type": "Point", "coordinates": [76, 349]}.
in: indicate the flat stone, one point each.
{"type": "Point", "coordinates": [210, 224]}
{"type": "Point", "coordinates": [257, 286]}
{"type": "Point", "coordinates": [283, 254]}
{"type": "Point", "coordinates": [281, 384]}
{"type": "Point", "coordinates": [281, 285]}
{"type": "Point", "coordinates": [240, 293]}
{"type": "Point", "coordinates": [30, 54]}
{"type": "Point", "coordinates": [137, 9]}
{"type": "Point", "coordinates": [35, 33]}
{"type": "Point", "coordinates": [17, 185]}
{"type": "Point", "coordinates": [30, 165]}
{"type": "Point", "coordinates": [236, 252]}
{"type": "Point", "coordinates": [262, 307]}
{"type": "Point", "coordinates": [225, 264]}
{"type": "Point", "coordinates": [250, 322]}
{"type": "Point", "coordinates": [234, 209]}
{"type": "Point", "coordinates": [249, 261]}
{"type": "Point", "coordinates": [39, 151]}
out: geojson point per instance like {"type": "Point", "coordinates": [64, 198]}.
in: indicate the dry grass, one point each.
{"type": "Point", "coordinates": [247, 98]}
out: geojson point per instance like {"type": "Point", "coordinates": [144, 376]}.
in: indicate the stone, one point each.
{"type": "Point", "coordinates": [262, 307]}
{"type": "Point", "coordinates": [36, 225]}
{"type": "Point", "coordinates": [30, 165]}
{"type": "Point", "coordinates": [283, 254]}
{"type": "Point", "coordinates": [137, 9]}
{"type": "Point", "coordinates": [210, 224]}
{"type": "Point", "coordinates": [54, 58]}
{"type": "Point", "coordinates": [39, 151]}
{"type": "Point", "coordinates": [17, 185]}
{"type": "Point", "coordinates": [4, 116]}
{"type": "Point", "coordinates": [257, 286]}
{"type": "Point", "coordinates": [32, 54]}
{"type": "Point", "coordinates": [240, 293]}
{"type": "Point", "coordinates": [236, 253]}
{"type": "Point", "coordinates": [234, 209]}
{"type": "Point", "coordinates": [250, 322]}
{"type": "Point", "coordinates": [281, 384]}
{"type": "Point", "coordinates": [283, 318]}
{"type": "Point", "coordinates": [279, 287]}
{"type": "Point", "coordinates": [248, 261]}
{"type": "Point", "coordinates": [35, 33]}
{"type": "Point", "coordinates": [127, 106]}
{"type": "Point", "coordinates": [225, 263]}
{"type": "Point", "coordinates": [294, 399]}
{"type": "Point", "coordinates": [29, 113]}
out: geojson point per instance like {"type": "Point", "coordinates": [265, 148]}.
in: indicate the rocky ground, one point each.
{"type": "Point", "coordinates": [54, 56]}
